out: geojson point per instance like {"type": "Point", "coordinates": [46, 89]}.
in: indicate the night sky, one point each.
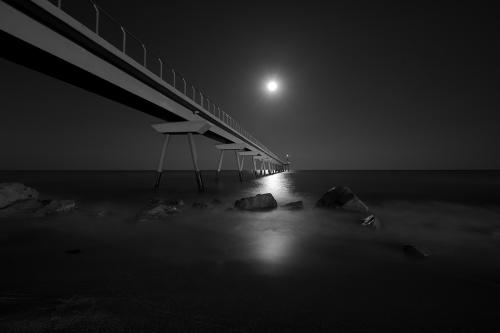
{"type": "Point", "coordinates": [366, 85]}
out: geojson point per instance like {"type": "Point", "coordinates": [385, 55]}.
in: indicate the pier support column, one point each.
{"type": "Point", "coordinates": [181, 128]}
{"type": "Point", "coordinates": [254, 167]}
{"type": "Point", "coordinates": [237, 148]}
{"type": "Point", "coordinates": [221, 156]}
{"type": "Point", "coordinates": [194, 156]}
{"type": "Point", "coordinates": [239, 165]}
{"type": "Point", "coordinates": [242, 163]}
{"type": "Point", "coordinates": [162, 159]}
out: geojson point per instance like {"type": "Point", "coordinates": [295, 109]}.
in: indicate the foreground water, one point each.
{"type": "Point", "coordinates": [220, 270]}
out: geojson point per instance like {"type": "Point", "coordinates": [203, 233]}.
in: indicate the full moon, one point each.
{"type": "Point", "coordinates": [272, 86]}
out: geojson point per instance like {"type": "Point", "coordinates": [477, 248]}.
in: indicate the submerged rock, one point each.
{"type": "Point", "coordinates": [56, 206]}
{"type": "Point", "coordinates": [342, 197]}
{"type": "Point", "coordinates": [371, 221]}
{"type": "Point", "coordinates": [169, 202]}
{"type": "Point", "coordinates": [414, 252]}
{"type": "Point", "coordinates": [294, 205]}
{"type": "Point", "coordinates": [24, 208]}
{"type": "Point", "coordinates": [158, 211]}
{"type": "Point", "coordinates": [14, 192]}
{"type": "Point", "coordinates": [199, 204]}
{"type": "Point", "coordinates": [216, 202]}
{"type": "Point", "coordinates": [259, 202]}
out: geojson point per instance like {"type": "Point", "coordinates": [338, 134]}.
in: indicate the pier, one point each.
{"type": "Point", "coordinates": [44, 36]}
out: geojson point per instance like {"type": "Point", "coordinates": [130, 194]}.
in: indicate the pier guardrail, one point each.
{"type": "Point", "coordinates": [104, 25]}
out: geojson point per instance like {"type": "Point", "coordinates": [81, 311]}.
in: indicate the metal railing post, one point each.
{"type": "Point", "coordinates": [201, 99]}
{"type": "Point", "coordinates": [173, 74]}
{"type": "Point", "coordinates": [161, 68]}
{"type": "Point", "coordinates": [194, 95]}
{"type": "Point", "coordinates": [124, 40]}
{"type": "Point", "coordinates": [96, 18]}
{"type": "Point", "coordinates": [59, 3]}
{"type": "Point", "coordinates": [144, 53]}
{"type": "Point", "coordinates": [185, 86]}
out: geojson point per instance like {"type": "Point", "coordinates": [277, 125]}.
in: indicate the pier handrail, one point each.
{"type": "Point", "coordinates": [205, 103]}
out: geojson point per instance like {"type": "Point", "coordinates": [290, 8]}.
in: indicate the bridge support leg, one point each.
{"type": "Point", "coordinates": [239, 165]}
{"type": "Point", "coordinates": [199, 180]}
{"type": "Point", "coordinates": [162, 159]}
{"type": "Point", "coordinates": [242, 162]}
{"type": "Point", "coordinates": [254, 167]}
{"type": "Point", "coordinates": [221, 156]}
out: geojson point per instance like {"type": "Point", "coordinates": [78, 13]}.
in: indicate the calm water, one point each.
{"type": "Point", "coordinates": [221, 270]}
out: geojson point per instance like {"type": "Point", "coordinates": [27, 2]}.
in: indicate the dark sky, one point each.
{"type": "Point", "coordinates": [366, 85]}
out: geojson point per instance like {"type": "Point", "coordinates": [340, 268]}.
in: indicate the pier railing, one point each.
{"type": "Point", "coordinates": [95, 18]}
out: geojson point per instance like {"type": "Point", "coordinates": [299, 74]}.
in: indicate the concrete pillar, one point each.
{"type": "Point", "coordinates": [242, 162]}
{"type": "Point", "coordinates": [239, 165]}
{"type": "Point", "coordinates": [221, 156]}
{"type": "Point", "coordinates": [254, 166]}
{"type": "Point", "coordinates": [162, 159]}
{"type": "Point", "coordinates": [199, 180]}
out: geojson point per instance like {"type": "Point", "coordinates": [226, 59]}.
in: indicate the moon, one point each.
{"type": "Point", "coordinates": [272, 86]}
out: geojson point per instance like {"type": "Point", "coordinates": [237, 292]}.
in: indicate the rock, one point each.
{"type": "Point", "coordinates": [371, 221]}
{"type": "Point", "coordinates": [56, 206]}
{"type": "Point", "coordinates": [216, 202]}
{"type": "Point", "coordinates": [294, 205]}
{"type": "Point", "coordinates": [13, 192]}
{"type": "Point", "coordinates": [199, 204]}
{"type": "Point", "coordinates": [414, 252]}
{"type": "Point", "coordinates": [168, 202]}
{"type": "Point", "coordinates": [157, 212]}
{"type": "Point", "coordinates": [259, 202]}
{"type": "Point", "coordinates": [23, 208]}
{"type": "Point", "coordinates": [102, 213]}
{"type": "Point", "coordinates": [342, 197]}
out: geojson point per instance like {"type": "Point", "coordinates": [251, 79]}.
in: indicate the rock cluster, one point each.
{"type": "Point", "coordinates": [343, 197]}
{"type": "Point", "coordinates": [18, 200]}
{"type": "Point", "coordinates": [159, 209]}
{"type": "Point", "coordinates": [14, 192]}
{"type": "Point", "coordinates": [294, 205]}
{"type": "Point", "coordinates": [259, 202]}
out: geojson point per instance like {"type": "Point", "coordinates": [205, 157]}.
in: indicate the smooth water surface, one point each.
{"type": "Point", "coordinates": [217, 269]}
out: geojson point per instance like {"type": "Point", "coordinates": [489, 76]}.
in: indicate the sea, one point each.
{"type": "Point", "coordinates": [217, 269]}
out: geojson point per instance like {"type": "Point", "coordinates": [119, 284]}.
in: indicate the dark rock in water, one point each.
{"type": "Point", "coordinates": [73, 251]}
{"type": "Point", "coordinates": [168, 202]}
{"type": "Point", "coordinates": [216, 202]}
{"type": "Point", "coordinates": [56, 206]}
{"type": "Point", "coordinates": [371, 221]}
{"type": "Point", "coordinates": [199, 204]}
{"type": "Point", "coordinates": [13, 192]}
{"type": "Point", "coordinates": [342, 197]}
{"type": "Point", "coordinates": [414, 252]}
{"type": "Point", "coordinates": [156, 212]}
{"type": "Point", "coordinates": [24, 208]}
{"type": "Point", "coordinates": [259, 202]}
{"type": "Point", "coordinates": [294, 205]}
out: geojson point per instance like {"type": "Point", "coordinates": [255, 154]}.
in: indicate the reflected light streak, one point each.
{"type": "Point", "coordinates": [272, 246]}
